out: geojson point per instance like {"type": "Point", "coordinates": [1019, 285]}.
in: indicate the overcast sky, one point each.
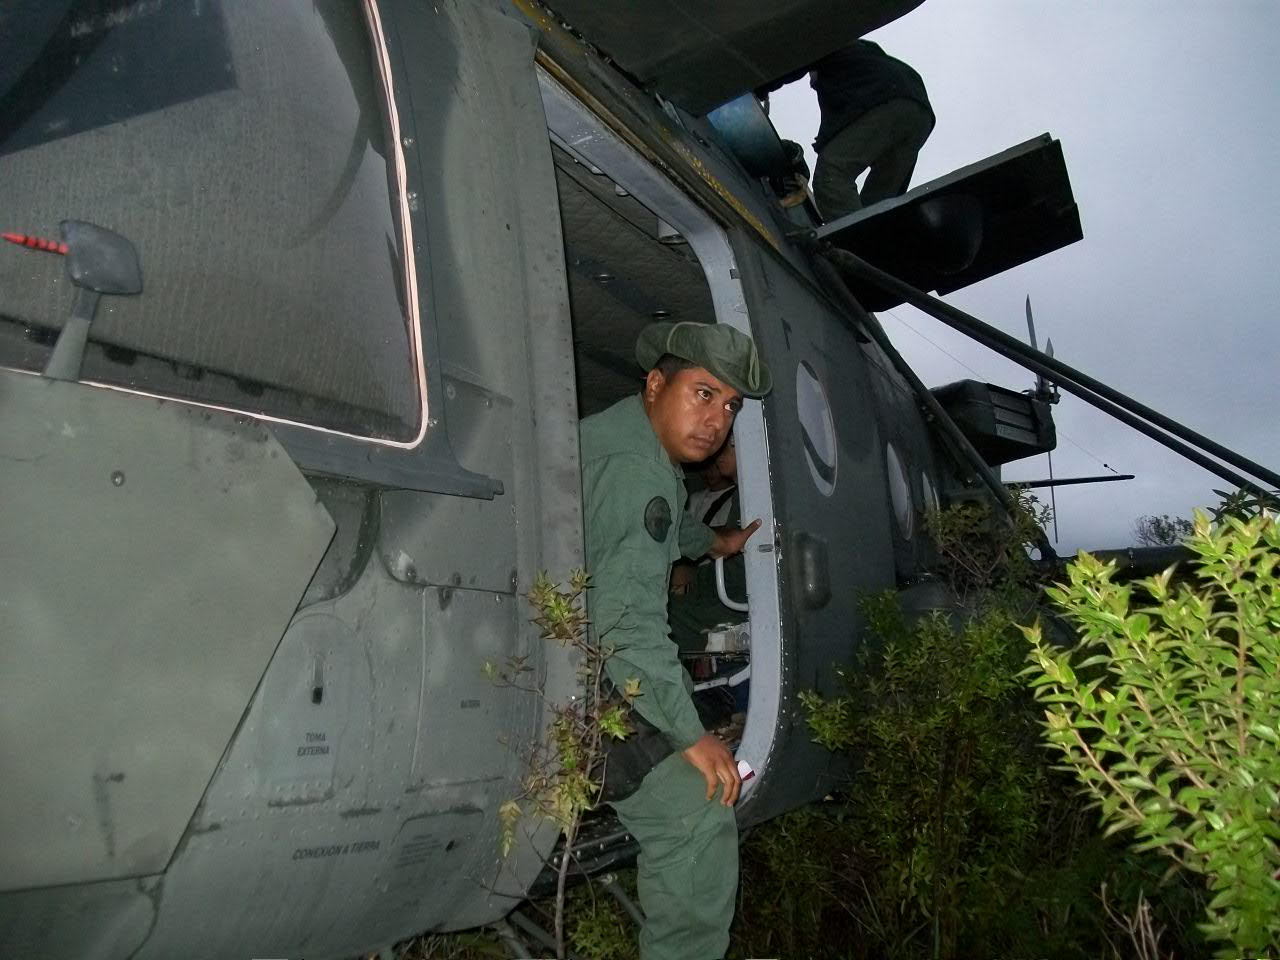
{"type": "Point", "coordinates": [1169, 117]}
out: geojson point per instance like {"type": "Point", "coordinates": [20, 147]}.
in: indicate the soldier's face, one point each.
{"type": "Point", "coordinates": [726, 460]}
{"type": "Point", "coordinates": [691, 412]}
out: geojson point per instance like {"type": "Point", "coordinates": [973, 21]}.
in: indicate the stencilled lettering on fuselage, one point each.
{"type": "Point", "coordinates": [316, 745]}
{"type": "Point", "coordinates": [324, 851]}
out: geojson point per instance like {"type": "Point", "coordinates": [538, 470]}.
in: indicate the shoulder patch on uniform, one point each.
{"type": "Point", "coordinates": [657, 518]}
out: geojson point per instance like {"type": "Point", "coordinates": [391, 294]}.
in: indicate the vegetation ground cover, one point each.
{"type": "Point", "coordinates": [1115, 798]}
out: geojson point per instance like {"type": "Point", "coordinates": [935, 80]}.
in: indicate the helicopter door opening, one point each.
{"type": "Point", "coordinates": [638, 250]}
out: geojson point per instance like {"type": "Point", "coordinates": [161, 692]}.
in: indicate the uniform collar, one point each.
{"type": "Point", "coordinates": [636, 418]}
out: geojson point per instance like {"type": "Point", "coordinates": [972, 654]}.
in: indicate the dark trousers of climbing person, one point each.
{"type": "Point", "coordinates": [887, 139]}
{"type": "Point", "coordinates": [687, 870]}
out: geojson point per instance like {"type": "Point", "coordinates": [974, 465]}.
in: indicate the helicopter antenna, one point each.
{"type": "Point", "coordinates": [1048, 392]}
{"type": "Point", "coordinates": [36, 243]}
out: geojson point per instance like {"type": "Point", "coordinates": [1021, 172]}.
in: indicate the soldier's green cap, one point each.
{"type": "Point", "coordinates": [727, 353]}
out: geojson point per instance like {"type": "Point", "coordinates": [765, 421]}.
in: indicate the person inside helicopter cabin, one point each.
{"type": "Point", "coordinates": [673, 783]}
{"type": "Point", "coordinates": [694, 606]}
{"type": "Point", "coordinates": [875, 117]}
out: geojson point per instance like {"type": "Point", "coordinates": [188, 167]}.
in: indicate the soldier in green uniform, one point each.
{"type": "Point", "coordinates": [633, 500]}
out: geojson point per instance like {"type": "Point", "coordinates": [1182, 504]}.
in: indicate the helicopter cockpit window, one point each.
{"type": "Point", "coordinates": [244, 150]}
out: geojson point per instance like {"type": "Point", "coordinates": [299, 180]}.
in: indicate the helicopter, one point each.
{"type": "Point", "coordinates": [301, 309]}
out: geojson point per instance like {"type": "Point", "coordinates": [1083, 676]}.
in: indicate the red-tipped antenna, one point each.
{"type": "Point", "coordinates": [36, 243]}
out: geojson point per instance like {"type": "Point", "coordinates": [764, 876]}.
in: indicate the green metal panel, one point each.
{"type": "Point", "coordinates": [965, 226]}
{"type": "Point", "coordinates": [152, 554]}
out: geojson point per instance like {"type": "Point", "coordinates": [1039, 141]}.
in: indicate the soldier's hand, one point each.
{"type": "Point", "coordinates": [681, 578]}
{"type": "Point", "coordinates": [713, 760]}
{"type": "Point", "coordinates": [731, 540]}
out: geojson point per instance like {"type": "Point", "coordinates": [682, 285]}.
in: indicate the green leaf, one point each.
{"type": "Point", "coordinates": [1191, 797]}
{"type": "Point", "coordinates": [1265, 732]}
{"type": "Point", "coordinates": [1093, 661]}
{"type": "Point", "coordinates": [1111, 722]}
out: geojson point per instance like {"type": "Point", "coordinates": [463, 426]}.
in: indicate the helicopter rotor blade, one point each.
{"type": "Point", "coordinates": [1044, 389]}
{"type": "Point", "coordinates": [1042, 385]}
{"type": "Point", "coordinates": [1053, 500]}
{"type": "Point", "coordinates": [1048, 349]}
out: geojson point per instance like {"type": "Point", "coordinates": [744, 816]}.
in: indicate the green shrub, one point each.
{"type": "Point", "coordinates": [949, 798]}
{"type": "Point", "coordinates": [598, 927]}
{"type": "Point", "coordinates": [563, 778]}
{"type": "Point", "coordinates": [982, 554]}
{"type": "Point", "coordinates": [799, 890]}
{"type": "Point", "coordinates": [956, 836]}
{"type": "Point", "coordinates": [1168, 713]}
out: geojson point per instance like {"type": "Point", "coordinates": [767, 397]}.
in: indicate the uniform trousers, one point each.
{"type": "Point", "coordinates": [687, 870]}
{"type": "Point", "coordinates": [887, 139]}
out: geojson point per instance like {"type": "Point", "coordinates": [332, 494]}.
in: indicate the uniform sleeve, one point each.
{"type": "Point", "coordinates": [696, 537]}
{"type": "Point", "coordinates": [628, 600]}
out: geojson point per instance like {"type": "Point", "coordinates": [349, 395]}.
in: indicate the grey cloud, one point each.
{"type": "Point", "coordinates": [1170, 121]}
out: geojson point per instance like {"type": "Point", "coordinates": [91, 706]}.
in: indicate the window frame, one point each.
{"type": "Point", "coordinates": [425, 461]}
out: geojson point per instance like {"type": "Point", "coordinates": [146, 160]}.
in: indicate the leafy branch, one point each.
{"type": "Point", "coordinates": [983, 554]}
{"type": "Point", "coordinates": [1168, 711]}
{"type": "Point", "coordinates": [566, 768]}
